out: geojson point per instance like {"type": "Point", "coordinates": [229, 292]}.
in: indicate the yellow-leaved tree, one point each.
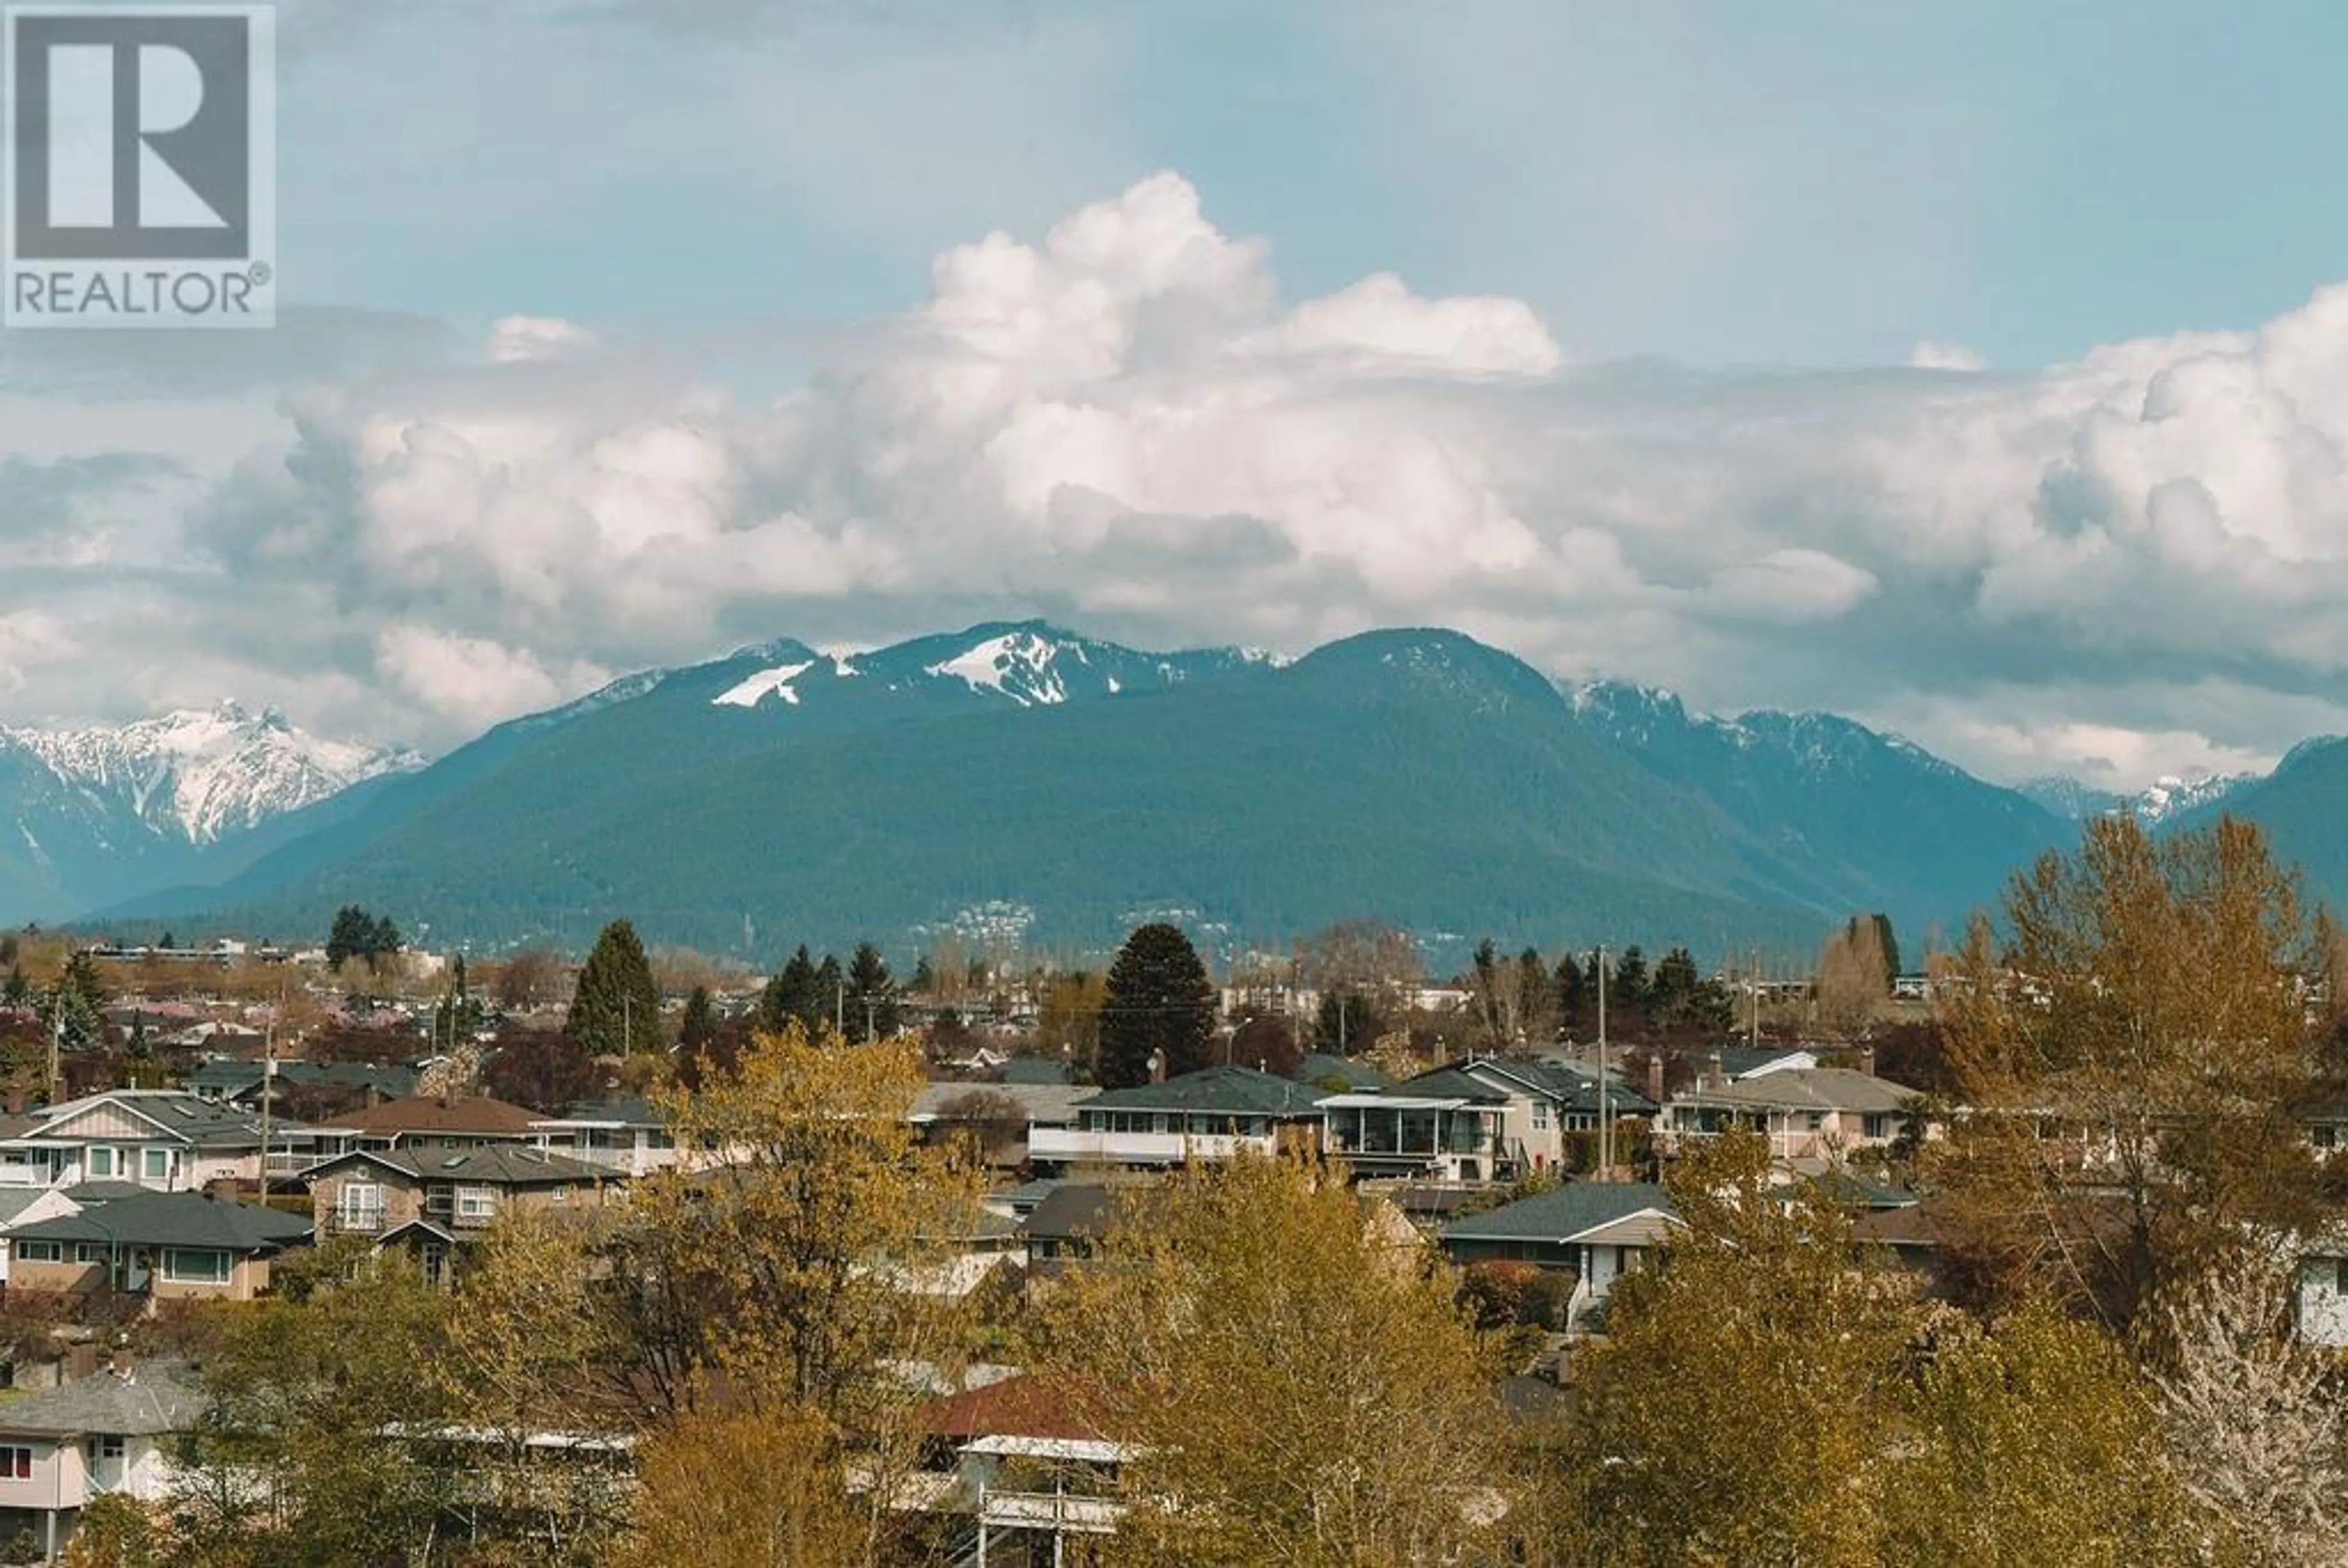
{"type": "Point", "coordinates": [1293, 1374]}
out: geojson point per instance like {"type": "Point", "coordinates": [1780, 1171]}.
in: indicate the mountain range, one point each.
{"type": "Point", "coordinates": [1016, 779]}
{"type": "Point", "coordinates": [95, 814]}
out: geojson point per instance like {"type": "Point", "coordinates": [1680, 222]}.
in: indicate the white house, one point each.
{"type": "Point", "coordinates": [109, 1432]}
{"type": "Point", "coordinates": [160, 1139]}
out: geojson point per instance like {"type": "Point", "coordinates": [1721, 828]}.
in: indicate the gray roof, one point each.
{"type": "Point", "coordinates": [1568, 1086]}
{"type": "Point", "coordinates": [1035, 1069]}
{"type": "Point", "coordinates": [1053, 1104]}
{"type": "Point", "coordinates": [1736, 1061]}
{"type": "Point", "coordinates": [1560, 1213]}
{"type": "Point", "coordinates": [157, 1396]}
{"type": "Point", "coordinates": [495, 1164]}
{"type": "Point", "coordinates": [103, 1191]}
{"type": "Point", "coordinates": [230, 1076]}
{"type": "Point", "coordinates": [1805, 1089]}
{"type": "Point", "coordinates": [175, 1219]}
{"type": "Point", "coordinates": [1227, 1088]}
{"type": "Point", "coordinates": [1358, 1074]}
{"type": "Point", "coordinates": [1074, 1209]}
{"type": "Point", "coordinates": [200, 1123]}
{"type": "Point", "coordinates": [15, 1201]}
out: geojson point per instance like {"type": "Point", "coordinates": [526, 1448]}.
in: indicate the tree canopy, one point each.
{"type": "Point", "coordinates": [1159, 1001]}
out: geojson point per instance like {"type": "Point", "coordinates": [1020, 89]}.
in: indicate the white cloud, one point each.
{"type": "Point", "coordinates": [1122, 422]}
{"type": "Point", "coordinates": [1929, 355]}
{"type": "Point", "coordinates": [520, 340]}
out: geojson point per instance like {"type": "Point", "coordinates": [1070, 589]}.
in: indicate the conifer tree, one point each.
{"type": "Point", "coordinates": [872, 995]}
{"type": "Point", "coordinates": [1158, 999]}
{"type": "Point", "coordinates": [824, 1004]}
{"type": "Point", "coordinates": [616, 1008]}
{"type": "Point", "coordinates": [789, 994]}
{"type": "Point", "coordinates": [700, 1024]}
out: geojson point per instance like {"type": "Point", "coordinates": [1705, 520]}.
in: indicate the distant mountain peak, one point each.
{"type": "Point", "coordinates": [197, 775]}
{"type": "Point", "coordinates": [2168, 796]}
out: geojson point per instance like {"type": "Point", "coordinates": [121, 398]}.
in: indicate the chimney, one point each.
{"type": "Point", "coordinates": [1158, 1066]}
{"type": "Point", "coordinates": [81, 1361]}
{"type": "Point", "coordinates": [17, 1094]}
{"type": "Point", "coordinates": [1714, 1075]}
{"type": "Point", "coordinates": [126, 1361]}
{"type": "Point", "coordinates": [1655, 1076]}
{"type": "Point", "coordinates": [1867, 1061]}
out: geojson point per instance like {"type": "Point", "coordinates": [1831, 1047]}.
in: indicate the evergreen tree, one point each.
{"type": "Point", "coordinates": [617, 1008]}
{"type": "Point", "coordinates": [17, 992]}
{"type": "Point", "coordinates": [170, 941]}
{"type": "Point", "coordinates": [872, 995]}
{"type": "Point", "coordinates": [1159, 1001]}
{"type": "Point", "coordinates": [824, 1006]}
{"type": "Point", "coordinates": [1571, 986]}
{"type": "Point", "coordinates": [458, 1016]}
{"type": "Point", "coordinates": [925, 977]}
{"type": "Point", "coordinates": [700, 1025]}
{"type": "Point", "coordinates": [353, 930]}
{"type": "Point", "coordinates": [73, 1006]}
{"type": "Point", "coordinates": [1345, 1023]}
{"type": "Point", "coordinates": [1890, 942]}
{"type": "Point", "coordinates": [789, 994]}
{"type": "Point", "coordinates": [1629, 985]}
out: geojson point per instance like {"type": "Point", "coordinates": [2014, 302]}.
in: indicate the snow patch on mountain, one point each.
{"type": "Point", "coordinates": [1021, 665]}
{"type": "Point", "coordinates": [200, 775]}
{"type": "Point", "coordinates": [764, 684]}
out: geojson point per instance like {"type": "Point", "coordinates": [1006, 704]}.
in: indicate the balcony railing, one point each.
{"type": "Point", "coordinates": [355, 1222]}
{"type": "Point", "coordinates": [1061, 1512]}
{"type": "Point", "coordinates": [1138, 1148]}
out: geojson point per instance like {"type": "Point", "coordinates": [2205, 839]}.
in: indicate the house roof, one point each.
{"type": "Point", "coordinates": [157, 1396]}
{"type": "Point", "coordinates": [232, 1077]}
{"type": "Point", "coordinates": [1741, 1060]}
{"type": "Point", "coordinates": [1568, 1086]}
{"type": "Point", "coordinates": [1845, 1190]}
{"type": "Point", "coordinates": [1561, 1214]}
{"type": "Point", "coordinates": [1024, 1406]}
{"type": "Point", "coordinates": [181, 1117]}
{"type": "Point", "coordinates": [1227, 1087]}
{"type": "Point", "coordinates": [1805, 1088]}
{"type": "Point", "coordinates": [476, 1115]}
{"type": "Point", "coordinates": [1074, 1209]}
{"type": "Point", "coordinates": [1453, 1083]}
{"type": "Point", "coordinates": [1052, 1104]}
{"type": "Point", "coordinates": [175, 1219]}
{"type": "Point", "coordinates": [1035, 1069]}
{"type": "Point", "coordinates": [15, 1201]}
{"type": "Point", "coordinates": [1358, 1074]}
{"type": "Point", "coordinates": [492, 1165]}
{"type": "Point", "coordinates": [1913, 1226]}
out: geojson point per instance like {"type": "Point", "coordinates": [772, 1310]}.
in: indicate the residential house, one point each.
{"type": "Point", "coordinates": [427, 1124]}
{"type": "Point", "coordinates": [1816, 1114]}
{"type": "Point", "coordinates": [1209, 1114]}
{"type": "Point", "coordinates": [434, 1203]}
{"type": "Point", "coordinates": [1031, 1482]}
{"type": "Point", "coordinates": [1739, 1062]}
{"type": "Point", "coordinates": [160, 1139]}
{"type": "Point", "coordinates": [629, 1137]}
{"type": "Point", "coordinates": [943, 1106]}
{"type": "Point", "coordinates": [1539, 1102]}
{"type": "Point", "coordinates": [1444, 1126]}
{"type": "Point", "coordinates": [1599, 1230]}
{"type": "Point", "coordinates": [163, 1245]}
{"type": "Point", "coordinates": [113, 1431]}
{"type": "Point", "coordinates": [28, 1205]}
{"type": "Point", "coordinates": [1068, 1225]}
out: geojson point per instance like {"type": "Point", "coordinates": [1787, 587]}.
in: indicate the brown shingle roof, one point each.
{"type": "Point", "coordinates": [1021, 1407]}
{"type": "Point", "coordinates": [476, 1114]}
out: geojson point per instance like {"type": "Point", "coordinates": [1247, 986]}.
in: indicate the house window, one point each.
{"type": "Point", "coordinates": [40, 1252]}
{"type": "Point", "coordinates": [103, 1448]}
{"type": "Point", "coordinates": [195, 1265]}
{"type": "Point", "coordinates": [359, 1205]}
{"type": "Point", "coordinates": [2324, 1136]}
{"type": "Point", "coordinates": [1878, 1125]}
{"type": "Point", "coordinates": [102, 1162]}
{"type": "Point", "coordinates": [89, 1252]}
{"type": "Point", "coordinates": [476, 1205]}
{"type": "Point", "coordinates": [16, 1462]}
{"type": "Point", "coordinates": [1541, 1115]}
{"type": "Point", "coordinates": [158, 1164]}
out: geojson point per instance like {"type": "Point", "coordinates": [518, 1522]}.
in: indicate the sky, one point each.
{"type": "Point", "coordinates": [1981, 372]}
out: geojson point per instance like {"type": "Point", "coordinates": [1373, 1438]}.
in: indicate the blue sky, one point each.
{"type": "Point", "coordinates": [1974, 369]}
{"type": "Point", "coordinates": [1808, 184]}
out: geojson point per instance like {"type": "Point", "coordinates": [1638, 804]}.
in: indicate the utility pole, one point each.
{"type": "Point", "coordinates": [269, 1085]}
{"type": "Point", "coordinates": [1605, 1122]}
{"type": "Point", "coordinates": [840, 1008]}
{"type": "Point", "coordinates": [1753, 1027]}
{"type": "Point", "coordinates": [627, 1025]}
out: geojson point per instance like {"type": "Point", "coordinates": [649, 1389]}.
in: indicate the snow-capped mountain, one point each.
{"type": "Point", "coordinates": [203, 775]}
{"type": "Point", "coordinates": [2171, 796]}
{"type": "Point", "coordinates": [85, 810]}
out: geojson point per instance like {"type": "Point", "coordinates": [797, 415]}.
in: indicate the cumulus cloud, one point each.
{"type": "Point", "coordinates": [521, 340]}
{"type": "Point", "coordinates": [1929, 355]}
{"type": "Point", "coordinates": [1122, 421]}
